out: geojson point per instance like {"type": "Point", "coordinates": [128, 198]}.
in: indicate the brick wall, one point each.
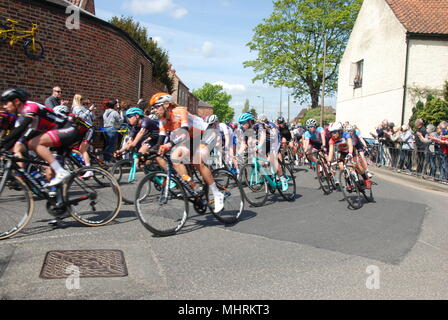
{"type": "Point", "coordinates": [96, 61]}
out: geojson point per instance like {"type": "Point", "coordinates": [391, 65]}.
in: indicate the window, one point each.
{"type": "Point", "coordinates": [356, 74]}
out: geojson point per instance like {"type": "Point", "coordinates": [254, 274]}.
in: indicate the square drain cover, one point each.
{"type": "Point", "coordinates": [91, 264]}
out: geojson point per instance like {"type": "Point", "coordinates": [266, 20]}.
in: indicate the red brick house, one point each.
{"type": "Point", "coordinates": [99, 60]}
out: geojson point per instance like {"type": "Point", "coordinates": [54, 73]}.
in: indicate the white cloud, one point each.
{"type": "Point", "coordinates": [226, 4]}
{"type": "Point", "coordinates": [158, 40]}
{"type": "Point", "coordinates": [231, 87]}
{"type": "Point", "coordinates": [208, 49]}
{"type": "Point", "coordinates": [141, 7]}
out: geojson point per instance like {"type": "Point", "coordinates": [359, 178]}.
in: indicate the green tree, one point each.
{"type": "Point", "coordinates": [216, 97]}
{"type": "Point", "coordinates": [445, 91]}
{"type": "Point", "coordinates": [158, 55]}
{"type": "Point", "coordinates": [434, 112]}
{"type": "Point", "coordinates": [246, 106]}
{"type": "Point", "coordinates": [290, 45]}
{"type": "Point", "coordinates": [253, 111]}
{"type": "Point", "coordinates": [416, 113]}
{"type": "Point", "coordinates": [315, 114]}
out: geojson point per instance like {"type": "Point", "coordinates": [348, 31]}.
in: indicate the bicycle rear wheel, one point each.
{"type": "Point", "coordinates": [91, 203]}
{"type": "Point", "coordinates": [350, 190]}
{"type": "Point", "coordinates": [290, 194]}
{"type": "Point", "coordinates": [16, 207]}
{"type": "Point", "coordinates": [128, 184]}
{"type": "Point", "coordinates": [254, 185]}
{"type": "Point", "coordinates": [34, 53]}
{"type": "Point", "coordinates": [163, 210]}
{"type": "Point", "coordinates": [233, 197]}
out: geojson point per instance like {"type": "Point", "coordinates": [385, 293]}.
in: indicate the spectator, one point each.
{"type": "Point", "coordinates": [396, 146]}
{"type": "Point", "coordinates": [420, 145]}
{"type": "Point", "coordinates": [55, 99]}
{"type": "Point", "coordinates": [380, 136]}
{"type": "Point", "coordinates": [430, 157]}
{"type": "Point", "coordinates": [407, 145]}
{"type": "Point", "coordinates": [112, 122]}
{"type": "Point", "coordinates": [441, 148]}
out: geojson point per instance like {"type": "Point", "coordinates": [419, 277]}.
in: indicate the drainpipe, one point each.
{"type": "Point", "coordinates": [405, 87]}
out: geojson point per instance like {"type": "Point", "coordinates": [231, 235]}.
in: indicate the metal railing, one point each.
{"type": "Point", "coordinates": [424, 164]}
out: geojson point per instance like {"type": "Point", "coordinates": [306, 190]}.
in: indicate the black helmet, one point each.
{"type": "Point", "coordinates": [281, 120]}
{"type": "Point", "coordinates": [12, 94]}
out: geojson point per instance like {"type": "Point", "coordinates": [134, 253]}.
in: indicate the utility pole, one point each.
{"type": "Point", "coordinates": [281, 100]}
{"type": "Point", "coordinates": [263, 102]}
{"type": "Point", "coordinates": [323, 82]}
{"type": "Point", "coordinates": [289, 104]}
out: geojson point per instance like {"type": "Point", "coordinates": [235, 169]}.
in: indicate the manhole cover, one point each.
{"type": "Point", "coordinates": [91, 264]}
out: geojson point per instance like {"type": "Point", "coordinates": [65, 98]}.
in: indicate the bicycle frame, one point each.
{"type": "Point", "coordinates": [15, 35]}
{"type": "Point", "coordinates": [256, 161]}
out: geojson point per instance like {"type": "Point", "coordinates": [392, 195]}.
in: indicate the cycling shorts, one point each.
{"type": "Point", "coordinates": [66, 137]}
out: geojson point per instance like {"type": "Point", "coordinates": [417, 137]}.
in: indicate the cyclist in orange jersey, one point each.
{"type": "Point", "coordinates": [184, 132]}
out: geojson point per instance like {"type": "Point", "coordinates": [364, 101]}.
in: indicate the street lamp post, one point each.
{"type": "Point", "coordinates": [263, 102]}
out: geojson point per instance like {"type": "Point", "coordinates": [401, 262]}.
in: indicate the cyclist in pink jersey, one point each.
{"type": "Point", "coordinates": [38, 128]}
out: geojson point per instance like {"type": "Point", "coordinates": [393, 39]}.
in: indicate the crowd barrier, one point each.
{"type": "Point", "coordinates": [425, 164]}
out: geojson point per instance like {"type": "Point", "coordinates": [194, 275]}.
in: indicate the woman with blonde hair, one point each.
{"type": "Point", "coordinates": [79, 108]}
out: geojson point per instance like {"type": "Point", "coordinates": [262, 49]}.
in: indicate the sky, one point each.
{"type": "Point", "coordinates": [206, 42]}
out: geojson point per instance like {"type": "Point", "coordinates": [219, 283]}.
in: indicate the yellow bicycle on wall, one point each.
{"type": "Point", "coordinates": [10, 34]}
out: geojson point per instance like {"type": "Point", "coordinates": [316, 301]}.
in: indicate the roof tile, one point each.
{"type": "Point", "coordinates": [422, 16]}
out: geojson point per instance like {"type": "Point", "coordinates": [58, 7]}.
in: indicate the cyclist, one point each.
{"type": "Point", "coordinates": [285, 133]}
{"type": "Point", "coordinates": [39, 128]}
{"type": "Point", "coordinates": [360, 145]}
{"type": "Point", "coordinates": [261, 141]}
{"type": "Point", "coordinates": [344, 143]}
{"type": "Point", "coordinates": [179, 125]}
{"type": "Point", "coordinates": [225, 135]}
{"type": "Point", "coordinates": [314, 139]}
{"type": "Point", "coordinates": [297, 135]}
{"type": "Point", "coordinates": [144, 133]}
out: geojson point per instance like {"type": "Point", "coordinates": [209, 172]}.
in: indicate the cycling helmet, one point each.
{"type": "Point", "coordinates": [233, 126]}
{"type": "Point", "coordinates": [133, 111]}
{"type": "Point", "coordinates": [61, 109]}
{"type": "Point", "coordinates": [212, 119]}
{"type": "Point", "coordinates": [311, 123]}
{"type": "Point", "coordinates": [281, 120]}
{"type": "Point", "coordinates": [160, 98]}
{"type": "Point", "coordinates": [337, 126]}
{"type": "Point", "coordinates": [11, 94]}
{"type": "Point", "coordinates": [262, 117]}
{"type": "Point", "coordinates": [153, 116]}
{"type": "Point", "coordinates": [349, 128]}
{"type": "Point", "coordinates": [245, 117]}
{"type": "Point", "coordinates": [298, 126]}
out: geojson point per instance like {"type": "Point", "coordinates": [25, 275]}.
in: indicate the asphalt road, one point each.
{"type": "Point", "coordinates": [314, 248]}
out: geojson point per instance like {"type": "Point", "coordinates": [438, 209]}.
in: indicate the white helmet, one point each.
{"type": "Point", "coordinates": [212, 119]}
{"type": "Point", "coordinates": [337, 126]}
{"type": "Point", "coordinates": [262, 117]}
{"type": "Point", "coordinates": [311, 123]}
{"type": "Point", "coordinates": [153, 116]}
{"type": "Point", "coordinates": [61, 109]}
{"type": "Point", "coordinates": [349, 128]}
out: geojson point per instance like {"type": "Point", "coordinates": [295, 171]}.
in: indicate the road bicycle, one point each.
{"type": "Point", "coordinates": [325, 173]}
{"type": "Point", "coordinates": [162, 199]}
{"type": "Point", "coordinates": [10, 34]}
{"type": "Point", "coordinates": [87, 202]}
{"type": "Point", "coordinates": [353, 185]}
{"type": "Point", "coordinates": [257, 182]}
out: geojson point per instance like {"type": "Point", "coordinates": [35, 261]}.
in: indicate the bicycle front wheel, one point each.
{"type": "Point", "coordinates": [350, 190]}
{"type": "Point", "coordinates": [324, 181]}
{"type": "Point", "coordinates": [233, 197]}
{"type": "Point", "coordinates": [161, 206]}
{"type": "Point", "coordinates": [90, 203]}
{"type": "Point", "coordinates": [16, 207]}
{"type": "Point", "coordinates": [255, 186]}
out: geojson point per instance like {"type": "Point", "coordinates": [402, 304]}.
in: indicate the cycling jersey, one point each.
{"type": "Point", "coordinates": [355, 135]}
{"type": "Point", "coordinates": [298, 134]}
{"type": "Point", "coordinates": [285, 133]}
{"type": "Point", "coordinates": [150, 126]}
{"type": "Point", "coordinates": [342, 142]}
{"type": "Point", "coordinates": [314, 137]}
{"type": "Point", "coordinates": [44, 118]}
{"type": "Point", "coordinates": [180, 118]}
